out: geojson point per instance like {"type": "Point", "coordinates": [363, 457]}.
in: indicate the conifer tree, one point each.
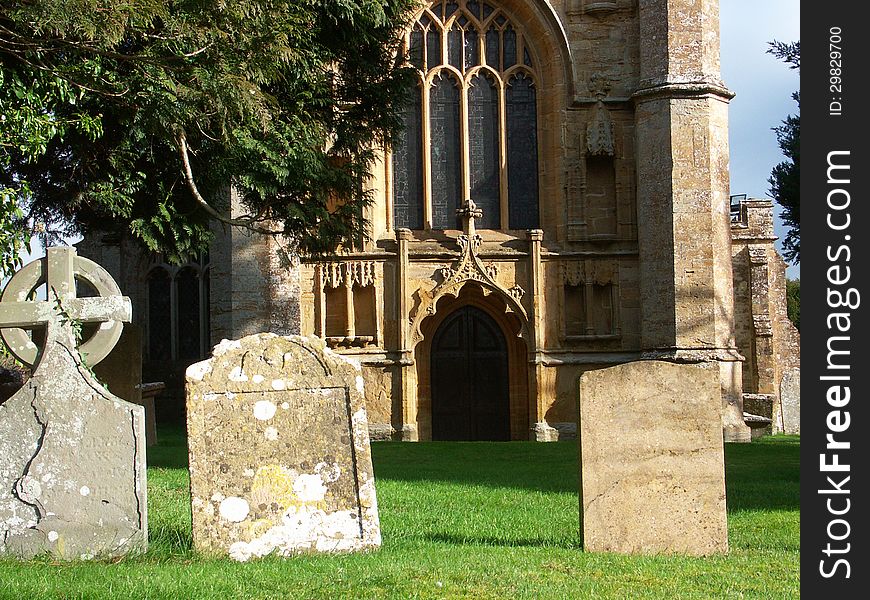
{"type": "Point", "coordinates": [140, 116]}
{"type": "Point", "coordinates": [785, 177]}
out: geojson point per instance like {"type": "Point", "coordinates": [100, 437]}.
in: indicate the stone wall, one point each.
{"type": "Point", "coordinates": [765, 335]}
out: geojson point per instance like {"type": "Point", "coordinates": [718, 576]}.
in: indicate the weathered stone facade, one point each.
{"type": "Point", "coordinates": [628, 254]}
{"type": "Point", "coordinates": [766, 337]}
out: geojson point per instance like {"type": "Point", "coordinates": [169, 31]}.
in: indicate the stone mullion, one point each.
{"type": "Point", "coordinates": [320, 283]}
{"type": "Point", "coordinates": [465, 164]}
{"type": "Point", "coordinates": [537, 402]}
{"type": "Point", "coordinates": [406, 425]}
{"type": "Point", "coordinates": [616, 327]}
{"type": "Point", "coordinates": [427, 154]}
{"type": "Point", "coordinates": [588, 296]}
{"type": "Point", "coordinates": [502, 149]}
{"type": "Point", "coordinates": [350, 324]}
{"type": "Point", "coordinates": [379, 303]}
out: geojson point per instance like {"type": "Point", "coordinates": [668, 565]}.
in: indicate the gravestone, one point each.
{"type": "Point", "coordinates": [72, 455]}
{"type": "Point", "coordinates": [652, 465]}
{"type": "Point", "coordinates": [790, 397]}
{"type": "Point", "coordinates": [279, 450]}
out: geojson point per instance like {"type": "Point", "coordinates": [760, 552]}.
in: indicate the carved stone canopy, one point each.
{"type": "Point", "coordinates": [468, 267]}
{"type": "Point", "coordinates": [599, 132]}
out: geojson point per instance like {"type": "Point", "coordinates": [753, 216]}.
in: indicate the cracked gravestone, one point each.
{"type": "Point", "coordinates": [652, 467]}
{"type": "Point", "coordinates": [72, 455]}
{"type": "Point", "coordinates": [280, 461]}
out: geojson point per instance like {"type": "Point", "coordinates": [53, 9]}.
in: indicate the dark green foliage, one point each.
{"type": "Point", "coordinates": [285, 101]}
{"type": "Point", "coordinates": [785, 177]}
{"type": "Point", "coordinates": [793, 301]}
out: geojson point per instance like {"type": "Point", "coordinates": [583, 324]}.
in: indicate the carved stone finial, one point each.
{"type": "Point", "coordinates": [468, 213]}
{"type": "Point", "coordinates": [599, 132]}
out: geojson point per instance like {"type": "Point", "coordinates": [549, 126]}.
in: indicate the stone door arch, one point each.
{"type": "Point", "coordinates": [508, 325]}
{"type": "Point", "coordinates": [469, 371]}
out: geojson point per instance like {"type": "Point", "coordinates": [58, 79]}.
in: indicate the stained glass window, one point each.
{"type": "Point", "coordinates": [433, 47]}
{"type": "Point", "coordinates": [468, 157]}
{"type": "Point", "coordinates": [408, 168]}
{"type": "Point", "coordinates": [159, 315]}
{"type": "Point", "coordinates": [472, 54]}
{"type": "Point", "coordinates": [483, 148]}
{"type": "Point", "coordinates": [178, 311]}
{"type": "Point", "coordinates": [522, 152]}
{"type": "Point", "coordinates": [187, 283]}
{"type": "Point", "coordinates": [415, 49]}
{"type": "Point", "coordinates": [492, 47]}
{"type": "Point", "coordinates": [445, 150]}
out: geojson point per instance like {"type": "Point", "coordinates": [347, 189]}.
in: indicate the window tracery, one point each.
{"type": "Point", "coordinates": [471, 124]}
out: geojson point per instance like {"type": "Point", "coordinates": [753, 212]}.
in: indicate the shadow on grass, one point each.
{"type": "Point", "coordinates": [551, 468]}
{"type": "Point", "coordinates": [170, 451]}
{"type": "Point", "coordinates": [762, 475]}
{"type": "Point", "coordinates": [472, 540]}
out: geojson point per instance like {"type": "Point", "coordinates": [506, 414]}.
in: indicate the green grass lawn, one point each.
{"type": "Point", "coordinates": [459, 520]}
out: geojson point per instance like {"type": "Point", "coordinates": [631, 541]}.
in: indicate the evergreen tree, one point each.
{"type": "Point", "coordinates": [141, 116]}
{"type": "Point", "coordinates": [793, 301]}
{"type": "Point", "coordinates": [785, 177]}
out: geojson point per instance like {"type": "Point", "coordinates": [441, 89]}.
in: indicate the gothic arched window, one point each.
{"type": "Point", "coordinates": [178, 317]}
{"type": "Point", "coordinates": [471, 125]}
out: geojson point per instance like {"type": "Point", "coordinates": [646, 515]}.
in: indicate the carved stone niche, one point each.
{"type": "Point", "coordinates": [348, 304]}
{"type": "Point", "coordinates": [590, 301]}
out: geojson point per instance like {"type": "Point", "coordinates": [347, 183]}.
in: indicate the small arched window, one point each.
{"type": "Point", "coordinates": [471, 125]}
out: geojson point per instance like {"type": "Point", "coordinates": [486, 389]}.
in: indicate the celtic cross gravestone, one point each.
{"type": "Point", "coordinates": [72, 455]}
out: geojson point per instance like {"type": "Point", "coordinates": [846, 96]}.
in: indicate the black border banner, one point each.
{"type": "Point", "coordinates": [835, 299]}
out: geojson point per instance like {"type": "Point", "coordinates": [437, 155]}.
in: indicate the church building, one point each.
{"type": "Point", "coordinates": [558, 202]}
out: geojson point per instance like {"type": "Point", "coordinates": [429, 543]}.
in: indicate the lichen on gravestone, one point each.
{"type": "Point", "coordinates": [280, 461]}
{"type": "Point", "coordinates": [72, 455]}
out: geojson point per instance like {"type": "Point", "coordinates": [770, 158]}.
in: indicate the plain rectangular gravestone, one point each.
{"type": "Point", "coordinates": [652, 462]}
{"type": "Point", "coordinates": [279, 450]}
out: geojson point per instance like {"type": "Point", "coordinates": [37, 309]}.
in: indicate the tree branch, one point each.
{"type": "Point", "coordinates": [247, 221]}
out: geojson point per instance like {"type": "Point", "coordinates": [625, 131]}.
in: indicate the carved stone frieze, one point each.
{"type": "Point", "coordinates": [598, 272]}
{"type": "Point", "coordinates": [357, 272]}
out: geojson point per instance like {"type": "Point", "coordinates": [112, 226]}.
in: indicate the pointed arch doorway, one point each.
{"type": "Point", "coordinates": [469, 375]}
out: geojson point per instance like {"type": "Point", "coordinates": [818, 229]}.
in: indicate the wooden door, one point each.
{"type": "Point", "coordinates": [469, 370]}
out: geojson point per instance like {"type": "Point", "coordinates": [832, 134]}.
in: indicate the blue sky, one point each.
{"type": "Point", "coordinates": [763, 85]}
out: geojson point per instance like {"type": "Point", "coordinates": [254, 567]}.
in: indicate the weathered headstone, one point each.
{"type": "Point", "coordinates": [72, 455]}
{"type": "Point", "coordinates": [790, 397]}
{"type": "Point", "coordinates": [652, 465]}
{"type": "Point", "coordinates": [279, 450]}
